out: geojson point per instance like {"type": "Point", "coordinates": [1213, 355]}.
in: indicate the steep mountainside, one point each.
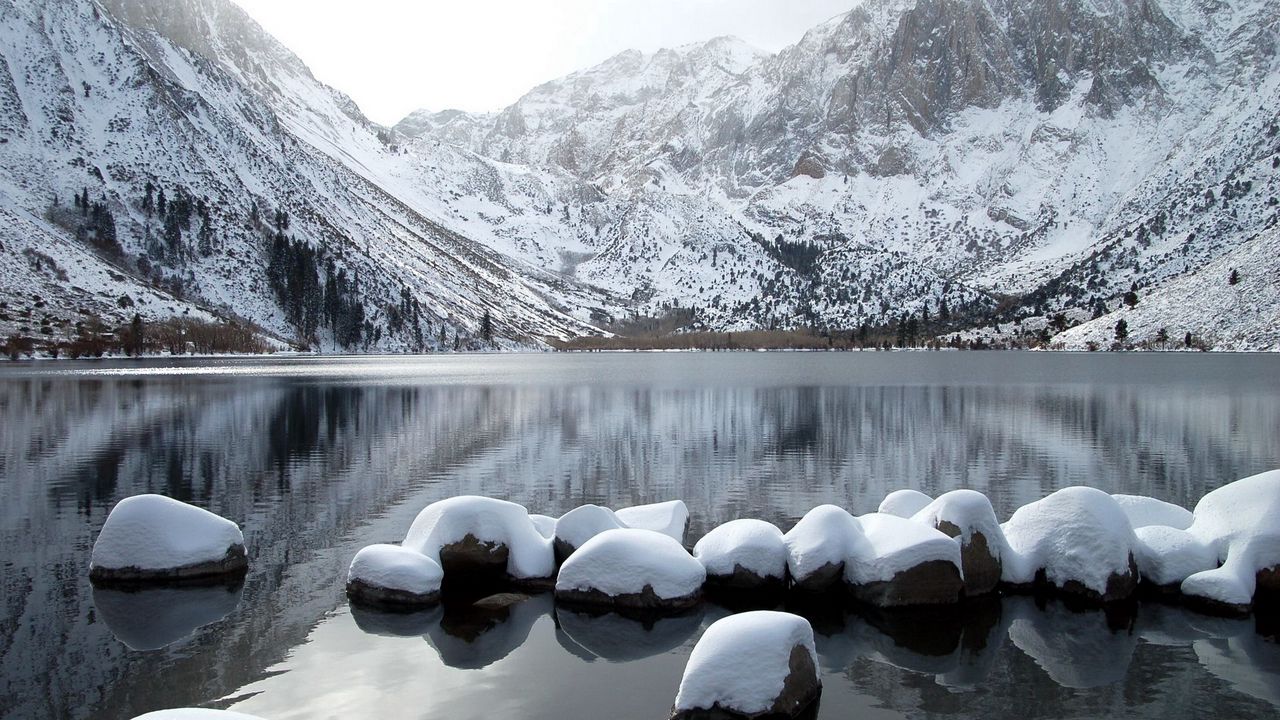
{"type": "Point", "coordinates": [279, 198]}
{"type": "Point", "coordinates": [1050, 155]}
{"type": "Point", "coordinates": [1020, 165]}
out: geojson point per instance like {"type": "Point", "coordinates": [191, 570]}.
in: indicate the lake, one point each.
{"type": "Point", "coordinates": [317, 457]}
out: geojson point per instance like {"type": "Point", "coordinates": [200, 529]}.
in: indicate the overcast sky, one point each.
{"type": "Point", "coordinates": [395, 56]}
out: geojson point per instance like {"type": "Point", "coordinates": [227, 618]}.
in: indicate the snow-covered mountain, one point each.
{"type": "Point", "coordinates": [993, 162]}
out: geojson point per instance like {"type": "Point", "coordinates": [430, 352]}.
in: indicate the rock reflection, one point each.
{"type": "Point", "coordinates": [471, 637]}
{"type": "Point", "coordinates": [615, 638]}
{"type": "Point", "coordinates": [1077, 648]}
{"type": "Point", "coordinates": [154, 618]}
{"type": "Point", "coordinates": [389, 623]}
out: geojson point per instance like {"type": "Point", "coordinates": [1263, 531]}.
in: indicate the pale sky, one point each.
{"type": "Point", "coordinates": [395, 56]}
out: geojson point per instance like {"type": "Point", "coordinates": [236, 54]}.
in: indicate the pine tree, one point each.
{"type": "Point", "coordinates": [149, 199]}
{"type": "Point", "coordinates": [1131, 298]}
{"type": "Point", "coordinates": [1122, 330]}
{"type": "Point", "coordinates": [162, 204]}
{"type": "Point", "coordinates": [1234, 277]}
{"type": "Point", "coordinates": [486, 327]}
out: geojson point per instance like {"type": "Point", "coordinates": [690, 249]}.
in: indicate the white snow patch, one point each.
{"type": "Point", "coordinates": [1145, 511]}
{"type": "Point", "coordinates": [755, 545]}
{"type": "Point", "coordinates": [742, 662]}
{"type": "Point", "coordinates": [153, 532]}
{"type": "Point", "coordinates": [669, 518]}
{"type": "Point", "coordinates": [581, 524]}
{"type": "Point", "coordinates": [1241, 523]}
{"type": "Point", "coordinates": [488, 520]}
{"type": "Point", "coordinates": [970, 511]}
{"type": "Point", "coordinates": [897, 544]}
{"type": "Point", "coordinates": [393, 567]}
{"type": "Point", "coordinates": [1167, 555]}
{"type": "Point", "coordinates": [195, 714]}
{"type": "Point", "coordinates": [624, 561]}
{"type": "Point", "coordinates": [904, 503]}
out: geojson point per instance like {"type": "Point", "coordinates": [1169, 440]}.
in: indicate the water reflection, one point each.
{"type": "Point", "coordinates": [155, 618]}
{"type": "Point", "coordinates": [317, 459]}
{"type": "Point", "coordinates": [614, 638]}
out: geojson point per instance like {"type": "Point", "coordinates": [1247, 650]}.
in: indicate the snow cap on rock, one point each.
{"type": "Point", "coordinates": [153, 533]}
{"type": "Point", "coordinates": [904, 503]}
{"type": "Point", "coordinates": [626, 561]}
{"type": "Point", "coordinates": [669, 518]}
{"type": "Point", "coordinates": [487, 520]}
{"type": "Point", "coordinates": [754, 545]}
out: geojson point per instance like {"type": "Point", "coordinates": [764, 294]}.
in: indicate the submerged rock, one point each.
{"type": "Point", "coordinates": [760, 664]}
{"type": "Point", "coordinates": [152, 538]}
{"type": "Point", "coordinates": [631, 569]}
{"type": "Point", "coordinates": [394, 575]}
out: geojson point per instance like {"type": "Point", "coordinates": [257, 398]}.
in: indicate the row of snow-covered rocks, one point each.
{"type": "Point", "coordinates": [914, 550]}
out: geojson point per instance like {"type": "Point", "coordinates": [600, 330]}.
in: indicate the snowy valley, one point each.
{"type": "Point", "coordinates": [1036, 173]}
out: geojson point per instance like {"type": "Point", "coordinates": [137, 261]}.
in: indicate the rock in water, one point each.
{"type": "Point", "coordinates": [152, 538]}
{"type": "Point", "coordinates": [394, 575]}
{"type": "Point", "coordinates": [629, 569]}
{"type": "Point", "coordinates": [1077, 540]}
{"type": "Point", "coordinates": [753, 665]}
{"type": "Point", "coordinates": [819, 545]}
{"type": "Point", "coordinates": [478, 539]}
{"type": "Point", "coordinates": [968, 518]}
{"type": "Point", "coordinates": [579, 525]}
{"type": "Point", "coordinates": [1240, 523]}
{"type": "Point", "coordinates": [904, 503]}
{"type": "Point", "coordinates": [744, 555]}
{"type": "Point", "coordinates": [904, 563]}
{"type": "Point", "coordinates": [669, 518]}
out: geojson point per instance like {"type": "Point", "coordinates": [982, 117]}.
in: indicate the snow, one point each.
{"type": "Point", "coordinates": [1145, 511]}
{"type": "Point", "coordinates": [546, 526]}
{"type": "Point", "coordinates": [1077, 533]}
{"type": "Point", "coordinates": [195, 714]}
{"type": "Point", "coordinates": [968, 510]}
{"type": "Point", "coordinates": [392, 567]}
{"type": "Point", "coordinates": [625, 561]}
{"type": "Point", "coordinates": [153, 532]}
{"type": "Point", "coordinates": [904, 503]}
{"type": "Point", "coordinates": [669, 518]}
{"type": "Point", "coordinates": [755, 545]}
{"type": "Point", "coordinates": [581, 524]}
{"type": "Point", "coordinates": [741, 663]}
{"type": "Point", "coordinates": [826, 535]}
{"type": "Point", "coordinates": [1167, 555]}
{"type": "Point", "coordinates": [488, 520]}
{"type": "Point", "coordinates": [896, 544]}
{"type": "Point", "coordinates": [1240, 523]}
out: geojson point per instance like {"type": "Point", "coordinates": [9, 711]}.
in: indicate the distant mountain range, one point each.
{"type": "Point", "coordinates": [997, 170]}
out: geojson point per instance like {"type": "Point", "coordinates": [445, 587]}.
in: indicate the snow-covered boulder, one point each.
{"type": "Point", "coordinates": [1145, 511]}
{"type": "Point", "coordinates": [669, 518]}
{"type": "Point", "coordinates": [752, 665]}
{"type": "Point", "coordinates": [904, 503]}
{"type": "Point", "coordinates": [544, 524]}
{"type": "Point", "coordinates": [195, 714]}
{"type": "Point", "coordinates": [967, 516]}
{"type": "Point", "coordinates": [819, 545]}
{"type": "Point", "coordinates": [1240, 522]}
{"type": "Point", "coordinates": [479, 538]}
{"type": "Point", "coordinates": [393, 575]}
{"type": "Point", "coordinates": [1166, 556]}
{"type": "Point", "coordinates": [579, 525]}
{"type": "Point", "coordinates": [744, 555]}
{"type": "Point", "coordinates": [632, 570]}
{"type": "Point", "coordinates": [155, 538]}
{"type": "Point", "coordinates": [903, 563]}
{"type": "Point", "coordinates": [1077, 540]}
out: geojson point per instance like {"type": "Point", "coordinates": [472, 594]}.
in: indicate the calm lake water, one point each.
{"type": "Point", "coordinates": [319, 457]}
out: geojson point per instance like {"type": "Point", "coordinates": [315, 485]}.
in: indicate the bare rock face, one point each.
{"type": "Point", "coordinates": [821, 580]}
{"type": "Point", "coordinates": [810, 166]}
{"type": "Point", "coordinates": [471, 560]}
{"type": "Point", "coordinates": [645, 602]}
{"type": "Point", "coordinates": [234, 563]}
{"type": "Point", "coordinates": [366, 593]}
{"type": "Point", "coordinates": [1120, 586]}
{"type": "Point", "coordinates": [742, 580]}
{"type": "Point", "coordinates": [981, 566]}
{"type": "Point", "coordinates": [936, 582]}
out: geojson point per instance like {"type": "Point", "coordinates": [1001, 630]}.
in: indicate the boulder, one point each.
{"type": "Point", "coordinates": [745, 556]}
{"type": "Point", "coordinates": [967, 517]}
{"type": "Point", "coordinates": [669, 518]}
{"type": "Point", "coordinates": [152, 538]}
{"type": "Point", "coordinates": [628, 569]}
{"type": "Point", "coordinates": [904, 503]}
{"type": "Point", "coordinates": [579, 525]}
{"type": "Point", "coordinates": [819, 545]}
{"type": "Point", "coordinates": [1077, 541]}
{"type": "Point", "coordinates": [904, 563]}
{"type": "Point", "coordinates": [393, 575]}
{"type": "Point", "coordinates": [1240, 523]}
{"type": "Point", "coordinates": [477, 540]}
{"type": "Point", "coordinates": [749, 666]}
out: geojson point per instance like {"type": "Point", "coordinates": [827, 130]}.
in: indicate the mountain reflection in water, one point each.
{"type": "Point", "coordinates": [317, 458]}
